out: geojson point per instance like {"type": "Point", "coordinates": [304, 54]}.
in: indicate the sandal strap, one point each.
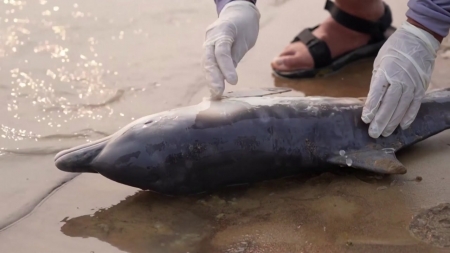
{"type": "Point", "coordinates": [318, 49]}
{"type": "Point", "coordinates": [375, 29]}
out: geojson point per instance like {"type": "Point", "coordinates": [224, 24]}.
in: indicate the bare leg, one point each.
{"type": "Point", "coordinates": [338, 38]}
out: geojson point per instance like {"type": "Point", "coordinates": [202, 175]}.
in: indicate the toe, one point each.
{"type": "Point", "coordinates": [295, 57]}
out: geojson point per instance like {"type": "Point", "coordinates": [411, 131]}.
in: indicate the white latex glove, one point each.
{"type": "Point", "coordinates": [227, 40]}
{"type": "Point", "coordinates": [401, 75]}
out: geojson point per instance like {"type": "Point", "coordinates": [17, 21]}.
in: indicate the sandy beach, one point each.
{"type": "Point", "coordinates": [76, 71]}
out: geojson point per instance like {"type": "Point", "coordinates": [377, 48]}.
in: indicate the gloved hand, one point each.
{"type": "Point", "coordinates": [227, 40]}
{"type": "Point", "coordinates": [401, 75]}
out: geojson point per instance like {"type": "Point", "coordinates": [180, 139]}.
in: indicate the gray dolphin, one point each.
{"type": "Point", "coordinates": [245, 138]}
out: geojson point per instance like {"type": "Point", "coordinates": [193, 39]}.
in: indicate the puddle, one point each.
{"type": "Point", "coordinates": [324, 213]}
{"type": "Point", "coordinates": [351, 81]}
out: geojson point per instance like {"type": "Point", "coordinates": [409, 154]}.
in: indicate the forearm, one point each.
{"type": "Point", "coordinates": [221, 3]}
{"type": "Point", "coordinates": [430, 15]}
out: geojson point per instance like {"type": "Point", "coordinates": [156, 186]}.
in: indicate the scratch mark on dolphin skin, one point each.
{"type": "Point", "coordinates": [174, 158]}
{"type": "Point", "coordinates": [151, 148]}
{"type": "Point", "coordinates": [247, 143]}
{"type": "Point", "coordinates": [31, 207]}
{"type": "Point", "coordinates": [126, 158]}
{"type": "Point", "coordinates": [197, 148]}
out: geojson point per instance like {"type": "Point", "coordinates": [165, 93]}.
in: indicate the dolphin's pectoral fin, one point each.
{"type": "Point", "coordinates": [378, 161]}
{"type": "Point", "coordinates": [259, 92]}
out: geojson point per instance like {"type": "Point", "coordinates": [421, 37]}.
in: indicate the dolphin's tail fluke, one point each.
{"type": "Point", "coordinates": [79, 159]}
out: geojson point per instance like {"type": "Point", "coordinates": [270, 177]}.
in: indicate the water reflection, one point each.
{"type": "Point", "coordinates": [351, 81]}
{"type": "Point", "coordinates": [324, 213]}
{"type": "Point", "coordinates": [53, 74]}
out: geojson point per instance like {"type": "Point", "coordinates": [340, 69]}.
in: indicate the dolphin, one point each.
{"type": "Point", "coordinates": [249, 137]}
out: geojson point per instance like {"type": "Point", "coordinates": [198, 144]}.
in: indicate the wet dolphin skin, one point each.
{"type": "Point", "coordinates": [246, 139]}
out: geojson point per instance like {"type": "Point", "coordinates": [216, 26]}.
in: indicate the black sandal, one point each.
{"type": "Point", "coordinates": [323, 63]}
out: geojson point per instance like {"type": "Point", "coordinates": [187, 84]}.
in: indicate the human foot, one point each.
{"type": "Point", "coordinates": [339, 39]}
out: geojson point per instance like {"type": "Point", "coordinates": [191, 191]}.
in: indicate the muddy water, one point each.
{"type": "Point", "coordinates": [315, 214]}
{"type": "Point", "coordinates": [75, 71]}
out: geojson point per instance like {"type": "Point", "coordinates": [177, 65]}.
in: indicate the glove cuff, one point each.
{"type": "Point", "coordinates": [241, 3]}
{"type": "Point", "coordinates": [431, 42]}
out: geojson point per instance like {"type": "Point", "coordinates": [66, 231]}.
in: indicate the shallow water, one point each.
{"type": "Point", "coordinates": [76, 71]}
{"type": "Point", "coordinates": [314, 214]}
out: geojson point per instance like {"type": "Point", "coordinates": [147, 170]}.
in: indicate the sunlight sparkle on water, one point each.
{"type": "Point", "coordinates": [52, 81]}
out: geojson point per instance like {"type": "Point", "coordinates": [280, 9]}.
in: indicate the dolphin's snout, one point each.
{"type": "Point", "coordinates": [78, 159]}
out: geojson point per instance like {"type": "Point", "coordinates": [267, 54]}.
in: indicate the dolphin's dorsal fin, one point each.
{"type": "Point", "coordinates": [379, 161]}
{"type": "Point", "coordinates": [258, 92]}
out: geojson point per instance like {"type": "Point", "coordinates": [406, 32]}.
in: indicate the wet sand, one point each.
{"type": "Point", "coordinates": [74, 72]}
